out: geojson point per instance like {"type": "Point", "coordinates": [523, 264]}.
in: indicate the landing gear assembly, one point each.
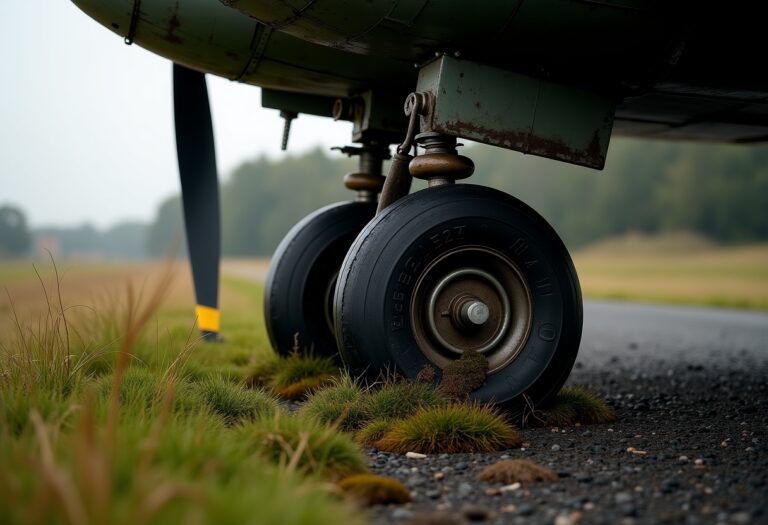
{"type": "Point", "coordinates": [431, 275]}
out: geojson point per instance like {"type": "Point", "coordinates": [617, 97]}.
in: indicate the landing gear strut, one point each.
{"type": "Point", "coordinates": [455, 268]}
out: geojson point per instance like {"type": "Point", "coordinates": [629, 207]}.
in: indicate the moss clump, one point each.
{"type": "Point", "coordinates": [296, 376]}
{"type": "Point", "coordinates": [450, 429]}
{"type": "Point", "coordinates": [426, 374]}
{"type": "Point", "coordinates": [370, 434]}
{"type": "Point", "coordinates": [339, 404]}
{"type": "Point", "coordinates": [465, 375]}
{"type": "Point", "coordinates": [232, 402]}
{"type": "Point", "coordinates": [305, 444]}
{"type": "Point", "coordinates": [576, 404]}
{"type": "Point", "coordinates": [400, 400]}
{"type": "Point", "coordinates": [509, 471]}
{"type": "Point", "coordinates": [371, 489]}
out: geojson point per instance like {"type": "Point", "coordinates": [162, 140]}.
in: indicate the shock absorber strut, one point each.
{"type": "Point", "coordinates": [440, 164]}
{"type": "Point", "coordinates": [368, 180]}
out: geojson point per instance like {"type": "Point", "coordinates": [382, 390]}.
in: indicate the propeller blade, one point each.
{"type": "Point", "coordinates": [199, 191]}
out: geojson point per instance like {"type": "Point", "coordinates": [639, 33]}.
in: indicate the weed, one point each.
{"type": "Point", "coordinates": [340, 404]}
{"type": "Point", "coordinates": [400, 400]}
{"type": "Point", "coordinates": [304, 444]}
{"type": "Point", "coordinates": [371, 489]}
{"type": "Point", "coordinates": [370, 434]}
{"type": "Point", "coordinates": [232, 402]}
{"type": "Point", "coordinates": [576, 404]}
{"type": "Point", "coordinates": [509, 471]}
{"type": "Point", "coordinates": [451, 429]}
{"type": "Point", "coordinates": [298, 375]}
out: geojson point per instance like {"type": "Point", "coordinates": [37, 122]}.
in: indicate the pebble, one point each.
{"type": "Point", "coordinates": [583, 477]}
{"type": "Point", "coordinates": [555, 448]}
{"type": "Point", "coordinates": [622, 497]}
{"type": "Point", "coordinates": [415, 455]}
{"type": "Point", "coordinates": [439, 476]}
{"type": "Point", "coordinates": [475, 513]}
{"type": "Point", "coordinates": [525, 509]}
{"type": "Point", "coordinates": [401, 514]}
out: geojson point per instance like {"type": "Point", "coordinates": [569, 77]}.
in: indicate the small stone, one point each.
{"type": "Point", "coordinates": [682, 459]}
{"type": "Point", "coordinates": [415, 455]}
{"type": "Point", "coordinates": [669, 485]}
{"type": "Point", "coordinates": [555, 448]}
{"type": "Point", "coordinates": [475, 513]}
{"type": "Point", "coordinates": [583, 477]}
{"type": "Point", "coordinates": [698, 462]}
{"type": "Point", "coordinates": [525, 509]}
{"type": "Point", "coordinates": [741, 518]}
{"type": "Point", "coordinates": [401, 514]}
{"type": "Point", "coordinates": [568, 519]}
{"type": "Point", "coordinates": [508, 508]}
{"type": "Point", "coordinates": [589, 506]}
{"type": "Point", "coordinates": [465, 489]}
{"type": "Point", "coordinates": [622, 498]}
{"type": "Point", "coordinates": [434, 494]}
{"type": "Point", "coordinates": [510, 488]}
{"type": "Point", "coordinates": [439, 476]}
{"type": "Point", "coordinates": [461, 465]}
{"type": "Point", "coordinates": [492, 491]}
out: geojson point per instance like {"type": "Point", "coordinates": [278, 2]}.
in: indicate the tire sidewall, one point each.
{"type": "Point", "coordinates": [399, 244]}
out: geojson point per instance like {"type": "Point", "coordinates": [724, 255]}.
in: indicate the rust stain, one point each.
{"type": "Point", "coordinates": [173, 25]}
{"type": "Point", "coordinates": [523, 141]}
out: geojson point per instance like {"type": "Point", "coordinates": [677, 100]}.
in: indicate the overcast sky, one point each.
{"type": "Point", "coordinates": [87, 124]}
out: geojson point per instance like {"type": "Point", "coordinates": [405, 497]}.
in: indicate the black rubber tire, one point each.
{"type": "Point", "coordinates": [378, 276]}
{"type": "Point", "coordinates": [303, 266]}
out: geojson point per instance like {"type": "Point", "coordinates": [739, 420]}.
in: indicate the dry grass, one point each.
{"type": "Point", "coordinates": [675, 270]}
{"type": "Point", "coordinates": [508, 471]}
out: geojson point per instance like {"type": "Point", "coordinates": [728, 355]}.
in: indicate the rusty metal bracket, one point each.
{"type": "Point", "coordinates": [515, 111]}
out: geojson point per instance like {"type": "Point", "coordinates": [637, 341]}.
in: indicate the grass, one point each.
{"type": "Point", "coordinates": [675, 269]}
{"type": "Point", "coordinates": [123, 415]}
{"type": "Point", "coordinates": [339, 404]}
{"type": "Point", "coordinates": [233, 402]}
{"type": "Point", "coordinates": [296, 376]}
{"type": "Point", "coordinates": [572, 405]}
{"type": "Point", "coordinates": [371, 489]}
{"type": "Point", "coordinates": [455, 428]}
{"type": "Point", "coordinates": [305, 445]}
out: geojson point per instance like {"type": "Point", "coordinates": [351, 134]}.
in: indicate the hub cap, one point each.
{"type": "Point", "coordinates": [472, 298]}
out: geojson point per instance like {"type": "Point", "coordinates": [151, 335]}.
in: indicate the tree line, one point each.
{"type": "Point", "coordinates": [718, 191]}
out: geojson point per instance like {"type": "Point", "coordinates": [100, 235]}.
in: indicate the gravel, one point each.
{"type": "Point", "coordinates": [689, 447]}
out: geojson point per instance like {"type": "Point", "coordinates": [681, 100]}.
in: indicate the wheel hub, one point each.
{"type": "Point", "coordinates": [472, 298]}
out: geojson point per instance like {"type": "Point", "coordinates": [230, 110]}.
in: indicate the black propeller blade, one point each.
{"type": "Point", "coordinates": [199, 191]}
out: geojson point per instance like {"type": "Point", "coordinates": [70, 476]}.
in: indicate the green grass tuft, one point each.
{"type": "Point", "coordinates": [304, 444]}
{"type": "Point", "coordinates": [576, 404]}
{"type": "Point", "coordinates": [370, 434]}
{"type": "Point", "coordinates": [371, 489]}
{"type": "Point", "coordinates": [451, 429]}
{"type": "Point", "coordinates": [297, 376]}
{"type": "Point", "coordinates": [340, 404]}
{"type": "Point", "coordinates": [233, 402]}
{"type": "Point", "coordinates": [400, 400]}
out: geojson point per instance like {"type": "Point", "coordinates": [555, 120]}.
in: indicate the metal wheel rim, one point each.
{"type": "Point", "coordinates": [512, 306]}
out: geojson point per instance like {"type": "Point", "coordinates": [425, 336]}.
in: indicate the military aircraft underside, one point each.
{"type": "Point", "coordinates": [393, 280]}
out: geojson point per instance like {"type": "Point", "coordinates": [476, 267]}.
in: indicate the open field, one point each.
{"type": "Point", "coordinates": [676, 273]}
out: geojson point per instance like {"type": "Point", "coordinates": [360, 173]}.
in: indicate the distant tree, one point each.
{"type": "Point", "coordinates": [125, 240]}
{"type": "Point", "coordinates": [15, 238]}
{"type": "Point", "coordinates": [166, 233]}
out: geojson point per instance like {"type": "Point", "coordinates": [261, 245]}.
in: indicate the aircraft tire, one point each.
{"type": "Point", "coordinates": [412, 275]}
{"type": "Point", "coordinates": [298, 291]}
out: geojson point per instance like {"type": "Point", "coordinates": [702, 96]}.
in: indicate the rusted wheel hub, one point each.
{"type": "Point", "coordinates": [473, 298]}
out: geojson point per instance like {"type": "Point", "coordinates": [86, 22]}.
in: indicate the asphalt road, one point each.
{"type": "Point", "coordinates": [690, 388]}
